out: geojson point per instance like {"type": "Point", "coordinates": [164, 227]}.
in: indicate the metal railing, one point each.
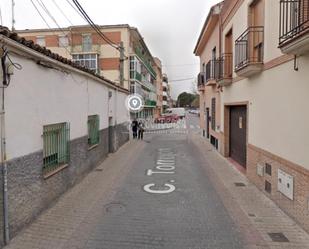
{"type": "Point", "coordinates": [201, 79]}
{"type": "Point", "coordinates": [56, 139]}
{"type": "Point", "coordinates": [93, 130]}
{"type": "Point", "coordinates": [225, 66]}
{"type": "Point", "coordinates": [212, 70]}
{"type": "Point", "coordinates": [294, 19]}
{"type": "Point", "coordinates": [249, 47]}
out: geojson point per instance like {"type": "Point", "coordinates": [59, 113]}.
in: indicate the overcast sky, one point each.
{"type": "Point", "coordinates": [169, 27]}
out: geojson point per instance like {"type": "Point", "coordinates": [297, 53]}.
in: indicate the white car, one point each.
{"type": "Point", "coordinates": [179, 111]}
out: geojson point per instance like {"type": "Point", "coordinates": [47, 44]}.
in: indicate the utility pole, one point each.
{"type": "Point", "coordinates": [3, 54]}
{"type": "Point", "coordinates": [13, 15]}
{"type": "Point", "coordinates": [121, 66]}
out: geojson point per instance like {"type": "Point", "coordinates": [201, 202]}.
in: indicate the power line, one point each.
{"type": "Point", "coordinates": [94, 26]}
{"type": "Point", "coordinates": [181, 65]}
{"type": "Point", "coordinates": [182, 79]}
{"type": "Point", "coordinates": [55, 3]}
{"type": "Point", "coordinates": [76, 10]}
{"type": "Point", "coordinates": [38, 11]}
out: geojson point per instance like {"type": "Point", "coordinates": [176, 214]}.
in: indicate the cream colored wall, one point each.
{"type": "Point", "coordinates": [239, 23]}
{"type": "Point", "coordinates": [112, 75]}
{"type": "Point", "coordinates": [278, 118]}
{"type": "Point", "coordinates": [211, 43]}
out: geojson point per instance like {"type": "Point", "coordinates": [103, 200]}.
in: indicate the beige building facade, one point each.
{"type": "Point", "coordinates": [84, 46]}
{"type": "Point", "coordinates": [208, 49]}
{"type": "Point", "coordinates": [264, 95]}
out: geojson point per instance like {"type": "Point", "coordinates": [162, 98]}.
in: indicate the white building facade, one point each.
{"type": "Point", "coordinates": [61, 120]}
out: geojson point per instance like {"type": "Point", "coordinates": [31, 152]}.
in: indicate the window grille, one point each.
{"type": "Point", "coordinates": [56, 139]}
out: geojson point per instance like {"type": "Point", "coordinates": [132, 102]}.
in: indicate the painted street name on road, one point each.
{"type": "Point", "coordinates": [165, 164]}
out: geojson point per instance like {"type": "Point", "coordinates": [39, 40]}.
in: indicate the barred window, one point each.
{"type": "Point", "coordinates": [56, 139]}
{"type": "Point", "coordinates": [93, 130]}
{"type": "Point", "coordinates": [213, 114]}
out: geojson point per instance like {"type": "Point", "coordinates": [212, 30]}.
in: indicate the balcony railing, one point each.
{"type": "Point", "coordinates": [212, 70]}
{"type": "Point", "coordinates": [226, 66]}
{"type": "Point", "coordinates": [201, 80]}
{"type": "Point", "coordinates": [294, 19]}
{"type": "Point", "coordinates": [249, 47]}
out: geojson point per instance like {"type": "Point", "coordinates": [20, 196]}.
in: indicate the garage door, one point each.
{"type": "Point", "coordinates": [238, 134]}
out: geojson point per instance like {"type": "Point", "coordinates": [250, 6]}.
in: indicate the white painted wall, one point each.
{"type": "Point", "coordinates": [39, 96]}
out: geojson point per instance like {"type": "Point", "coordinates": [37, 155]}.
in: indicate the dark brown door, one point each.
{"type": "Point", "coordinates": [238, 134]}
{"type": "Point", "coordinates": [207, 122]}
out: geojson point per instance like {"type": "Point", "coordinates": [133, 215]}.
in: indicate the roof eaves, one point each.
{"type": "Point", "coordinates": [47, 52]}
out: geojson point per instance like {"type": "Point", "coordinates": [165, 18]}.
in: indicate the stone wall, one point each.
{"type": "Point", "coordinates": [30, 193]}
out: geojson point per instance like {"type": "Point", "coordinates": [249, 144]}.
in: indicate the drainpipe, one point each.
{"type": "Point", "coordinates": [3, 152]}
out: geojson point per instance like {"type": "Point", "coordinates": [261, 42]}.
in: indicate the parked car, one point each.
{"type": "Point", "coordinates": [167, 118]}
{"type": "Point", "coordinates": [179, 111]}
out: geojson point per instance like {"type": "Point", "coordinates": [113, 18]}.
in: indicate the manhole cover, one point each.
{"type": "Point", "coordinates": [114, 208]}
{"type": "Point", "coordinates": [278, 237]}
{"type": "Point", "coordinates": [239, 184]}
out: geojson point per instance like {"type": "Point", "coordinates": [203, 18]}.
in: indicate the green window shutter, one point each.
{"type": "Point", "coordinates": [93, 130]}
{"type": "Point", "coordinates": [56, 139]}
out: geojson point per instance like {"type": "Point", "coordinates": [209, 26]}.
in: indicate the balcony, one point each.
{"type": "Point", "coordinates": [201, 81]}
{"type": "Point", "coordinates": [249, 52]}
{"type": "Point", "coordinates": [134, 75]}
{"type": "Point", "coordinates": [147, 64]}
{"type": "Point", "coordinates": [150, 103]}
{"type": "Point", "coordinates": [225, 75]}
{"type": "Point", "coordinates": [294, 26]}
{"type": "Point", "coordinates": [212, 70]}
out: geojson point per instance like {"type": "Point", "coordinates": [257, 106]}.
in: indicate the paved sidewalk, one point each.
{"type": "Point", "coordinates": [256, 215]}
{"type": "Point", "coordinates": [60, 226]}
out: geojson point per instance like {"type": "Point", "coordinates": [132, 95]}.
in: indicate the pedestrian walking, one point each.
{"type": "Point", "coordinates": [134, 126]}
{"type": "Point", "coordinates": [141, 129]}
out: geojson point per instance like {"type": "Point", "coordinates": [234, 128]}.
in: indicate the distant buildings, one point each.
{"type": "Point", "coordinates": [84, 46]}
{"type": "Point", "coordinates": [253, 83]}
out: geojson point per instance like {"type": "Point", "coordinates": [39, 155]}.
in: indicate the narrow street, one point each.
{"type": "Point", "coordinates": [111, 208]}
{"type": "Point", "coordinates": [192, 216]}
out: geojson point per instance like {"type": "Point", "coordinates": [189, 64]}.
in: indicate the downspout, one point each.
{"type": "Point", "coordinates": [3, 151]}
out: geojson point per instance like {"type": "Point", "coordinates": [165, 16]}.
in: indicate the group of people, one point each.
{"type": "Point", "coordinates": [138, 129]}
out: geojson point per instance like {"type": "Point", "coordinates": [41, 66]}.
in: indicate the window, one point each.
{"type": "Point", "coordinates": [87, 60]}
{"type": "Point", "coordinates": [93, 130]}
{"type": "Point", "coordinates": [56, 139]}
{"type": "Point", "coordinates": [213, 114]}
{"type": "Point", "coordinates": [87, 43]}
{"type": "Point", "coordinates": [40, 40]}
{"type": "Point", "coordinates": [63, 41]}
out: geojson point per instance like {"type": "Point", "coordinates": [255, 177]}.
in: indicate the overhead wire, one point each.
{"type": "Point", "coordinates": [76, 10]}
{"type": "Point", "coordinates": [40, 14]}
{"type": "Point", "coordinates": [60, 10]}
{"type": "Point", "coordinates": [94, 26]}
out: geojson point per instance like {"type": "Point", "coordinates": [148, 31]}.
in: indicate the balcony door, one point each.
{"type": "Point", "coordinates": [256, 19]}
{"type": "Point", "coordinates": [228, 57]}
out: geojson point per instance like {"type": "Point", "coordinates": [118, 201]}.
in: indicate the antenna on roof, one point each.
{"type": "Point", "coordinates": [13, 16]}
